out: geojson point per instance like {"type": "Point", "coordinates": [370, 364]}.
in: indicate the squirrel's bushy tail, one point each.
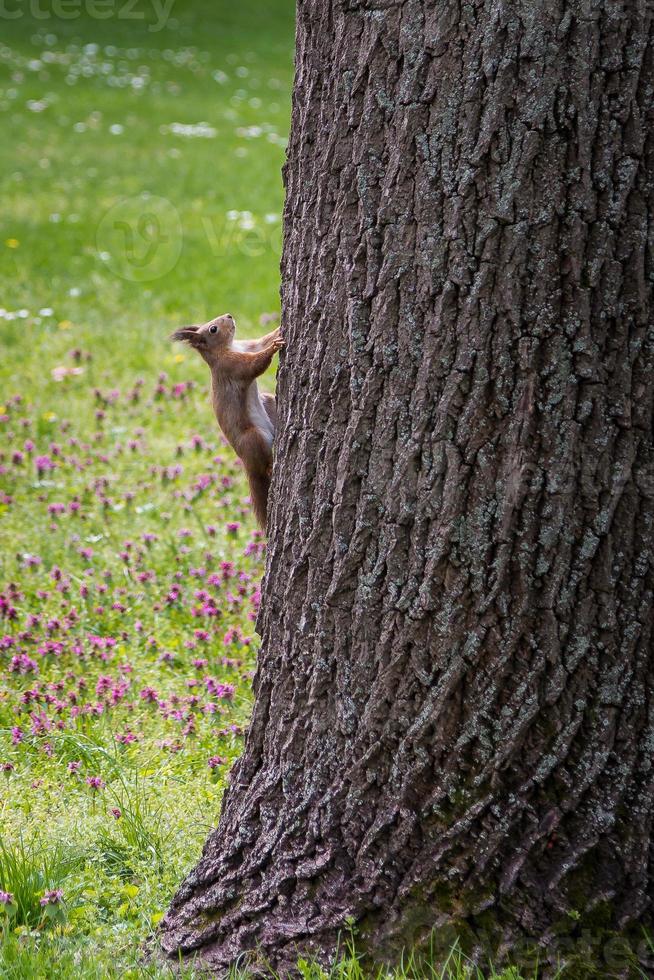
{"type": "Point", "coordinates": [259, 487]}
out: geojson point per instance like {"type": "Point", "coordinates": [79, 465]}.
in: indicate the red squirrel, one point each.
{"type": "Point", "coordinates": [246, 416]}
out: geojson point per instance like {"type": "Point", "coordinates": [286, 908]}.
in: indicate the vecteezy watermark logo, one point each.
{"type": "Point", "coordinates": [140, 238]}
{"type": "Point", "coordinates": [153, 12]}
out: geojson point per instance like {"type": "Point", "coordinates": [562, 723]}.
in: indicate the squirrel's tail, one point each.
{"type": "Point", "coordinates": [259, 485]}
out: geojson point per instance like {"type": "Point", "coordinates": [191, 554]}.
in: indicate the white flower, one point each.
{"type": "Point", "coordinates": [64, 371]}
{"type": "Point", "coordinates": [249, 132]}
{"type": "Point", "coordinates": [201, 130]}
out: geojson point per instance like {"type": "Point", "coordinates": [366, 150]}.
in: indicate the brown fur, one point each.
{"type": "Point", "coordinates": [246, 418]}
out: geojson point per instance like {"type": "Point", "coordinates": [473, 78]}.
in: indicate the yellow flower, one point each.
{"type": "Point", "coordinates": [3, 409]}
{"type": "Point", "coordinates": [179, 358]}
{"type": "Point", "coordinates": [49, 416]}
{"type": "Point", "coordinates": [65, 325]}
{"type": "Point", "coordinates": [12, 243]}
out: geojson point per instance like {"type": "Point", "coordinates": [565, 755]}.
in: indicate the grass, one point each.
{"type": "Point", "coordinates": [28, 872]}
{"type": "Point", "coordinates": [141, 190]}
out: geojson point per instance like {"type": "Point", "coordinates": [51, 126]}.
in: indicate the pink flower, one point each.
{"type": "Point", "coordinates": [104, 684]}
{"type": "Point", "coordinates": [225, 691]}
{"type": "Point", "coordinates": [95, 783]}
{"type": "Point", "coordinates": [126, 738]}
{"type": "Point", "coordinates": [52, 897]}
{"type": "Point", "coordinates": [43, 464]}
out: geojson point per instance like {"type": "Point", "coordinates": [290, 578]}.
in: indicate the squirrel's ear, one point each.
{"type": "Point", "coordinates": [185, 334]}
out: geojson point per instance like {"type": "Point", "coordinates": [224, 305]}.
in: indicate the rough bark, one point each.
{"type": "Point", "coordinates": [454, 719]}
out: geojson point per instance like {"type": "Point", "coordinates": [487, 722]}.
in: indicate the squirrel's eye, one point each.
{"type": "Point", "coordinates": [213, 329]}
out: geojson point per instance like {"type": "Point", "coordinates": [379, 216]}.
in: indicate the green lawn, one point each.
{"type": "Point", "coordinates": [141, 190]}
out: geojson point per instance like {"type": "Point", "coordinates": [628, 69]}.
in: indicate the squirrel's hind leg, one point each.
{"type": "Point", "coordinates": [256, 456]}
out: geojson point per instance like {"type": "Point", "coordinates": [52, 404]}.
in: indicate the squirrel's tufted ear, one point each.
{"type": "Point", "coordinates": [186, 334]}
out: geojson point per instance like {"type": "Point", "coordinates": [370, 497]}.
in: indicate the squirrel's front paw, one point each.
{"type": "Point", "coordinates": [278, 343]}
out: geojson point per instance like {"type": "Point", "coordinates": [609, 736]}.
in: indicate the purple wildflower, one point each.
{"type": "Point", "coordinates": [52, 897]}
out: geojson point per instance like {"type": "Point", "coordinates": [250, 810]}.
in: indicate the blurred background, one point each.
{"type": "Point", "coordinates": [140, 175]}
{"type": "Point", "coordinates": [139, 168]}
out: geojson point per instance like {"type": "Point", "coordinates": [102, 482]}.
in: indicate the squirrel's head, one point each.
{"type": "Point", "coordinates": [209, 339]}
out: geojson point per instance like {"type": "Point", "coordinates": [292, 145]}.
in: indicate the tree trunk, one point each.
{"type": "Point", "coordinates": [454, 720]}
